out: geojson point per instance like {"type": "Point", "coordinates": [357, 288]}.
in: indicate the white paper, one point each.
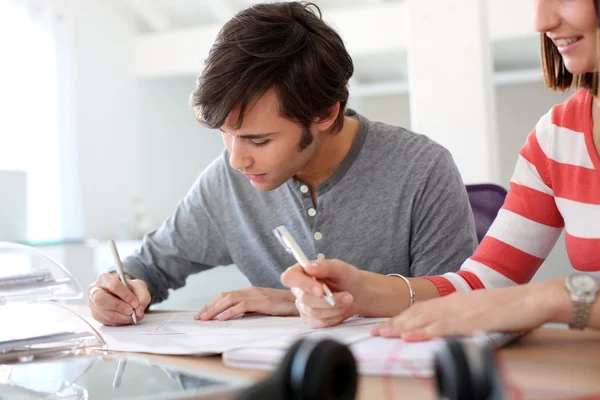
{"type": "Point", "coordinates": [381, 356]}
{"type": "Point", "coordinates": [374, 356]}
{"type": "Point", "coordinates": [178, 333]}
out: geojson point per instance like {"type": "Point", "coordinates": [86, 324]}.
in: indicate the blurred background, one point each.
{"type": "Point", "coordinates": [97, 140]}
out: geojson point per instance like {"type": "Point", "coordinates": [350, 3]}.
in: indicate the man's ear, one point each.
{"type": "Point", "coordinates": [321, 124]}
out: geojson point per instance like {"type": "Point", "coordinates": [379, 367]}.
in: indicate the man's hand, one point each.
{"type": "Point", "coordinates": [112, 303]}
{"type": "Point", "coordinates": [342, 278]}
{"type": "Point", "coordinates": [513, 309]}
{"type": "Point", "coordinates": [254, 299]}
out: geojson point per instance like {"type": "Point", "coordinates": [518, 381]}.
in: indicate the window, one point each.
{"type": "Point", "coordinates": [29, 102]}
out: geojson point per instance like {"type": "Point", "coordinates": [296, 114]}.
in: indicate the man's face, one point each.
{"type": "Point", "coordinates": [266, 147]}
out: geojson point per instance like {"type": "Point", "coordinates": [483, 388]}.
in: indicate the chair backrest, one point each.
{"type": "Point", "coordinates": [486, 200]}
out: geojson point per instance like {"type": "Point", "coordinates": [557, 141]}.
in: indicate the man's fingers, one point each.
{"type": "Point", "coordinates": [92, 290]}
{"type": "Point", "coordinates": [210, 305]}
{"type": "Point", "coordinates": [112, 283]}
{"type": "Point", "coordinates": [238, 309]}
{"type": "Point", "coordinates": [101, 319]}
{"type": "Point", "coordinates": [103, 300]}
{"type": "Point", "coordinates": [113, 318]}
{"type": "Point", "coordinates": [223, 304]}
{"type": "Point", "coordinates": [140, 290]}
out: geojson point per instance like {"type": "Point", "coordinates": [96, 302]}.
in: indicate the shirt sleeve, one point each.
{"type": "Point", "coordinates": [524, 232]}
{"type": "Point", "coordinates": [443, 230]}
{"type": "Point", "coordinates": [188, 242]}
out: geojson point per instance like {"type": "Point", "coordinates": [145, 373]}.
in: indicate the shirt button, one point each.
{"type": "Point", "coordinates": [318, 236]}
{"type": "Point", "coordinates": [312, 212]}
{"type": "Point", "coordinates": [320, 256]}
{"type": "Point", "coordinates": [304, 189]}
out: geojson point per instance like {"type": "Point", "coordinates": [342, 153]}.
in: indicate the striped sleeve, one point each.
{"type": "Point", "coordinates": [525, 230]}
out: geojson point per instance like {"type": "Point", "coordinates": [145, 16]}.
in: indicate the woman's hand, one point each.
{"type": "Point", "coordinates": [511, 309]}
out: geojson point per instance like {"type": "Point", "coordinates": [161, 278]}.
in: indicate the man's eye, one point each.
{"type": "Point", "coordinates": [259, 142]}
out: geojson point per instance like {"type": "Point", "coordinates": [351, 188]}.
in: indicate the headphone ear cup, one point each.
{"type": "Point", "coordinates": [452, 371]}
{"type": "Point", "coordinates": [324, 370]}
{"type": "Point", "coordinates": [277, 386]}
{"type": "Point", "coordinates": [466, 370]}
{"type": "Point", "coordinates": [491, 383]}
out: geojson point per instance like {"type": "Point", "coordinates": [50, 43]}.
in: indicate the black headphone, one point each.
{"type": "Point", "coordinates": [326, 370]}
{"type": "Point", "coordinates": [311, 370]}
{"type": "Point", "coordinates": [466, 369]}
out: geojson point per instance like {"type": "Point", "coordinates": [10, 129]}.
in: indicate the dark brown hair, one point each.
{"type": "Point", "coordinates": [286, 46]}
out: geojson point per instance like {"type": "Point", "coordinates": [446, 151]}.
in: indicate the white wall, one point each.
{"type": "Point", "coordinates": [106, 115]}
{"type": "Point", "coordinates": [519, 108]}
{"type": "Point", "coordinates": [173, 147]}
{"type": "Point", "coordinates": [135, 138]}
{"type": "Point", "coordinates": [392, 109]}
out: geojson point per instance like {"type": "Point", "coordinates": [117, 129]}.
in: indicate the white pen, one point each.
{"type": "Point", "coordinates": [288, 242]}
{"type": "Point", "coordinates": [120, 271]}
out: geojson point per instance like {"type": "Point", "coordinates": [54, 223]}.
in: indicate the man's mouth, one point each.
{"type": "Point", "coordinates": [255, 177]}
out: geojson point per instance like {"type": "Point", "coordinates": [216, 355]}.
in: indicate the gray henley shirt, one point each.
{"type": "Point", "coordinates": [396, 204]}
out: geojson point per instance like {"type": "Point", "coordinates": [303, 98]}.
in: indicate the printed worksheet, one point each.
{"type": "Point", "coordinates": [179, 333]}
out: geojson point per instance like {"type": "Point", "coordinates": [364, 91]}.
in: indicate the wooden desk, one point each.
{"type": "Point", "coordinates": [546, 364]}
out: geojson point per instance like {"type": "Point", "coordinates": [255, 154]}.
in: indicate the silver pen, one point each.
{"type": "Point", "coordinates": [120, 271]}
{"type": "Point", "coordinates": [288, 242]}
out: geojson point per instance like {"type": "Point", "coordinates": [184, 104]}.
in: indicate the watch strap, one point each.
{"type": "Point", "coordinates": [580, 315]}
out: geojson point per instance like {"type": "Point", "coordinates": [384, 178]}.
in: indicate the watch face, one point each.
{"type": "Point", "coordinates": [584, 283]}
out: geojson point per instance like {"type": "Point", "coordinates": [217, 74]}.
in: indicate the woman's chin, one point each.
{"type": "Point", "coordinates": [577, 67]}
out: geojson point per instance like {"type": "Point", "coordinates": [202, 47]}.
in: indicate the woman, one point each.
{"type": "Point", "coordinates": [556, 184]}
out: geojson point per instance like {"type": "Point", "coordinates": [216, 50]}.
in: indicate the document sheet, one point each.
{"type": "Point", "coordinates": [374, 356]}
{"type": "Point", "coordinates": [179, 333]}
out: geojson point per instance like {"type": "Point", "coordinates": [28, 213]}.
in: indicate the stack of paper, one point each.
{"type": "Point", "coordinates": [380, 356]}
{"type": "Point", "coordinates": [374, 355]}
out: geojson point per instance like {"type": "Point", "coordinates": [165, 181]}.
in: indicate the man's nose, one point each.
{"type": "Point", "coordinates": [240, 159]}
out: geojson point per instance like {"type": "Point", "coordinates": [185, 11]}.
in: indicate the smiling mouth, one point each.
{"type": "Point", "coordinates": [565, 42]}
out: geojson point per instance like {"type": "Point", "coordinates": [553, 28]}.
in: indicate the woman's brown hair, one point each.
{"type": "Point", "coordinates": [286, 46]}
{"type": "Point", "coordinates": [556, 75]}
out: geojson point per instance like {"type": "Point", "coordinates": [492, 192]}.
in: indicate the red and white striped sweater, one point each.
{"type": "Point", "coordinates": [556, 184]}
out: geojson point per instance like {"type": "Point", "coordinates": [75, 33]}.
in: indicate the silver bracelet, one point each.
{"type": "Point", "coordinates": [411, 292]}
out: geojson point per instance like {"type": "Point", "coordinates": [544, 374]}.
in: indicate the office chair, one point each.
{"type": "Point", "coordinates": [486, 200]}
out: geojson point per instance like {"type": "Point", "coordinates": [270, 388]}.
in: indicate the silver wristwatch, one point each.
{"type": "Point", "coordinates": [583, 290]}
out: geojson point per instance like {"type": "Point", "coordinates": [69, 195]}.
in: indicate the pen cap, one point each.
{"type": "Point", "coordinates": [28, 275]}
{"type": "Point", "coordinates": [289, 243]}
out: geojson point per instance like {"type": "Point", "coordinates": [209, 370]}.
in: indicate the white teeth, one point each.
{"type": "Point", "coordinates": [565, 42]}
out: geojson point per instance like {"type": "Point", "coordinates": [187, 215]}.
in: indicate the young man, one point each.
{"type": "Point", "coordinates": [379, 197]}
